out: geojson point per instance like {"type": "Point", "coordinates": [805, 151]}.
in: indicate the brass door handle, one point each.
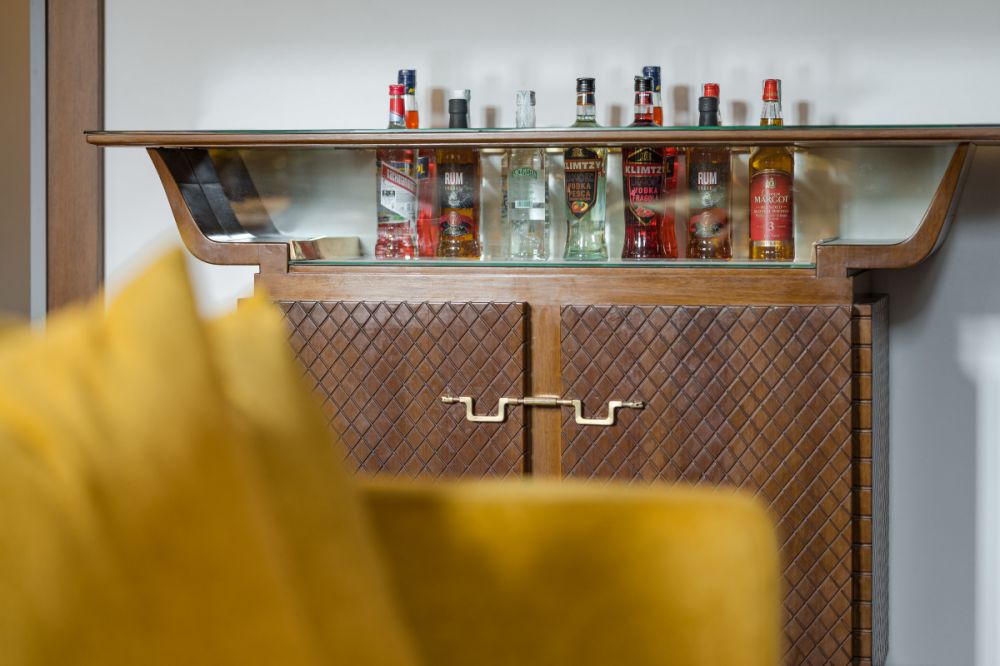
{"type": "Point", "coordinates": [541, 401]}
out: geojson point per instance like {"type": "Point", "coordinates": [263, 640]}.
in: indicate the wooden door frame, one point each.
{"type": "Point", "coordinates": [75, 170]}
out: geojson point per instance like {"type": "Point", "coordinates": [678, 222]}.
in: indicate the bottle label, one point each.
{"type": "Point", "coordinates": [397, 193]}
{"type": "Point", "coordinates": [643, 181]}
{"type": "Point", "coordinates": [526, 195]}
{"type": "Point", "coordinates": [771, 206]}
{"type": "Point", "coordinates": [708, 183]}
{"type": "Point", "coordinates": [584, 169]}
{"type": "Point", "coordinates": [423, 167]}
{"type": "Point", "coordinates": [457, 185]}
{"type": "Point", "coordinates": [456, 226]}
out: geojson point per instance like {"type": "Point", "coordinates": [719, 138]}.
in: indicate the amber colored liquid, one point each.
{"type": "Point", "coordinates": [658, 115]}
{"type": "Point", "coordinates": [464, 161]}
{"type": "Point", "coordinates": [763, 159]}
{"type": "Point", "coordinates": [412, 120]}
{"type": "Point", "coordinates": [710, 244]}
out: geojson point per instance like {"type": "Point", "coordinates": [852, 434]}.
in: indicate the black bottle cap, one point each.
{"type": "Point", "coordinates": [708, 105]}
{"type": "Point", "coordinates": [585, 85]}
{"type": "Point", "coordinates": [643, 84]}
{"type": "Point", "coordinates": [458, 112]}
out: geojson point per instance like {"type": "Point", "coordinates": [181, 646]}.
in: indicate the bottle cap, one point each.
{"type": "Point", "coordinates": [772, 90]}
{"type": "Point", "coordinates": [524, 98]}
{"type": "Point", "coordinates": [643, 84]}
{"type": "Point", "coordinates": [585, 85]}
{"type": "Point", "coordinates": [711, 90]}
{"type": "Point", "coordinates": [458, 106]}
{"type": "Point", "coordinates": [461, 94]}
{"type": "Point", "coordinates": [395, 89]}
{"type": "Point", "coordinates": [408, 79]}
{"type": "Point", "coordinates": [653, 72]}
{"type": "Point", "coordinates": [708, 104]}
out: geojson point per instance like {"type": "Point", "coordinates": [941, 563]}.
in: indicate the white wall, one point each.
{"type": "Point", "coordinates": [189, 64]}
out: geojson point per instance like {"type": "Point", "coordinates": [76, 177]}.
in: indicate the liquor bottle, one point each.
{"type": "Point", "coordinates": [408, 79]}
{"type": "Point", "coordinates": [586, 178]}
{"type": "Point", "coordinates": [712, 90]}
{"type": "Point", "coordinates": [772, 232]}
{"type": "Point", "coordinates": [642, 185]}
{"type": "Point", "coordinates": [653, 72]}
{"type": "Point", "coordinates": [525, 192]}
{"type": "Point", "coordinates": [427, 221]}
{"type": "Point", "coordinates": [708, 173]}
{"type": "Point", "coordinates": [396, 190]}
{"type": "Point", "coordinates": [458, 172]}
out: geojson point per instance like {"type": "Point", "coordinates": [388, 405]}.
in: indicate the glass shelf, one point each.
{"type": "Point", "coordinates": [557, 263]}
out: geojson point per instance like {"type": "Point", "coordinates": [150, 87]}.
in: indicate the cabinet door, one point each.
{"type": "Point", "coordinates": [754, 397]}
{"type": "Point", "coordinates": [380, 369]}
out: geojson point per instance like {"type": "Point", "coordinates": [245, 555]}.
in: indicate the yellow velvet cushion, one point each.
{"type": "Point", "coordinates": [137, 527]}
{"type": "Point", "coordinates": [508, 573]}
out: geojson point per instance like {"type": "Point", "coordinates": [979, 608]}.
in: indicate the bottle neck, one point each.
{"type": "Point", "coordinates": [410, 106]}
{"type": "Point", "coordinates": [524, 117]}
{"type": "Point", "coordinates": [586, 107]}
{"type": "Point", "coordinates": [771, 113]}
{"type": "Point", "coordinates": [643, 108]}
{"type": "Point", "coordinates": [397, 112]}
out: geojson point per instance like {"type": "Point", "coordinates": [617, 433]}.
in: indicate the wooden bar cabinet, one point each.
{"type": "Point", "coordinates": [772, 377]}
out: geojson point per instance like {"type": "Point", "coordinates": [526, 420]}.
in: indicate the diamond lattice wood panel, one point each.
{"type": "Point", "coordinates": [756, 397]}
{"type": "Point", "coordinates": [381, 368]}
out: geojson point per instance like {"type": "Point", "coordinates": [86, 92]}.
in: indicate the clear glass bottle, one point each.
{"type": "Point", "coordinates": [708, 173]}
{"type": "Point", "coordinates": [586, 180]}
{"type": "Point", "coordinates": [525, 192]}
{"type": "Point", "coordinates": [458, 177]}
{"type": "Point", "coordinates": [772, 227]}
{"type": "Point", "coordinates": [395, 190]}
{"type": "Point", "coordinates": [653, 72]}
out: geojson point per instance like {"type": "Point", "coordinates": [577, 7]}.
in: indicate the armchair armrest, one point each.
{"type": "Point", "coordinates": [566, 573]}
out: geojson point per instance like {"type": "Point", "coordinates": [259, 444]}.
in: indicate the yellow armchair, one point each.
{"type": "Point", "coordinates": [508, 572]}
{"type": "Point", "coordinates": [169, 494]}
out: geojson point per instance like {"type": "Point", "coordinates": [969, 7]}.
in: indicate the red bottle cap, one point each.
{"type": "Point", "coordinates": [396, 89]}
{"type": "Point", "coordinates": [711, 90]}
{"type": "Point", "coordinates": [772, 90]}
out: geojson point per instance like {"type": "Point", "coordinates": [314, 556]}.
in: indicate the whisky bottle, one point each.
{"type": "Point", "coordinates": [396, 190]}
{"type": "Point", "coordinates": [525, 192]}
{"type": "Point", "coordinates": [642, 185]}
{"type": "Point", "coordinates": [708, 173]}
{"type": "Point", "coordinates": [653, 72]}
{"type": "Point", "coordinates": [586, 179]}
{"type": "Point", "coordinates": [458, 177]}
{"type": "Point", "coordinates": [772, 231]}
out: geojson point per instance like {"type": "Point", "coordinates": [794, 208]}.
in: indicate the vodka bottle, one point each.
{"type": "Point", "coordinates": [525, 194]}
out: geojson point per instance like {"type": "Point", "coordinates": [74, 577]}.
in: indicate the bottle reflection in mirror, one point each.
{"type": "Point", "coordinates": [586, 180]}
{"type": "Point", "coordinates": [396, 190]}
{"type": "Point", "coordinates": [525, 192]}
{"type": "Point", "coordinates": [708, 173]}
{"type": "Point", "coordinates": [458, 178]}
{"type": "Point", "coordinates": [643, 172]}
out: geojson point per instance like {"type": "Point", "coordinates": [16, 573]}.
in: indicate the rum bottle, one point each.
{"type": "Point", "coordinates": [772, 227]}
{"type": "Point", "coordinates": [708, 174]}
{"type": "Point", "coordinates": [396, 190]}
{"type": "Point", "coordinates": [525, 192]}
{"type": "Point", "coordinates": [458, 178]}
{"type": "Point", "coordinates": [586, 178]}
